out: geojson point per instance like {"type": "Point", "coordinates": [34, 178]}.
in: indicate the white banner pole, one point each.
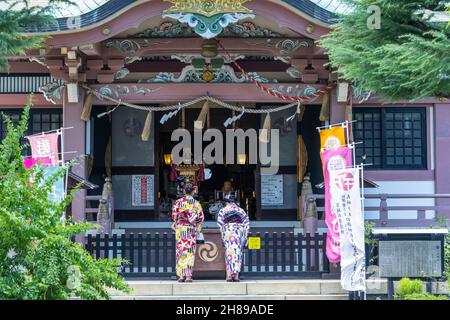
{"type": "Point", "coordinates": [363, 217]}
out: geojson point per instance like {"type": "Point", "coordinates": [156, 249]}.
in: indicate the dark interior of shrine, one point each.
{"type": "Point", "coordinates": [243, 176]}
{"type": "Point", "coordinates": [240, 174]}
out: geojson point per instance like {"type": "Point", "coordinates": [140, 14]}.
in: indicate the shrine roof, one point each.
{"type": "Point", "coordinates": [90, 12]}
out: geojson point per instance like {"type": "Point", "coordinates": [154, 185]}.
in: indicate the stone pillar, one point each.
{"type": "Point", "coordinates": [107, 194]}
{"type": "Point", "coordinates": [103, 217]}
{"type": "Point", "coordinates": [310, 217]}
{"type": "Point", "coordinates": [311, 223]}
{"type": "Point", "coordinates": [74, 141]}
{"type": "Point", "coordinates": [442, 147]}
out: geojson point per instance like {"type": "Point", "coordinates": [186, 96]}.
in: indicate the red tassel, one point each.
{"type": "Point", "coordinates": [201, 173]}
{"type": "Point", "coordinates": [173, 173]}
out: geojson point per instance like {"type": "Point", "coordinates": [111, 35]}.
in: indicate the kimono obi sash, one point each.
{"type": "Point", "coordinates": [187, 215]}
{"type": "Point", "coordinates": [233, 217]}
{"type": "Point", "coordinates": [186, 218]}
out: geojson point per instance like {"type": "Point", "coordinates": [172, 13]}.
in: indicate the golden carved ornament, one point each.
{"type": "Point", "coordinates": [207, 8]}
{"type": "Point", "coordinates": [189, 171]}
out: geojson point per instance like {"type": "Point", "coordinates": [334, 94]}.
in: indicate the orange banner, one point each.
{"type": "Point", "coordinates": [332, 138]}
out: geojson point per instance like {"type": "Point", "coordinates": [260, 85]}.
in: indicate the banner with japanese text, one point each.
{"type": "Point", "coordinates": [45, 146]}
{"type": "Point", "coordinates": [45, 153]}
{"type": "Point", "coordinates": [346, 204]}
{"type": "Point", "coordinates": [58, 192]}
{"type": "Point", "coordinates": [333, 159]}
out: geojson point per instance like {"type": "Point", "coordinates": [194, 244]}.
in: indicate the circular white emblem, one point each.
{"type": "Point", "coordinates": [332, 143]}
{"type": "Point", "coordinates": [208, 251]}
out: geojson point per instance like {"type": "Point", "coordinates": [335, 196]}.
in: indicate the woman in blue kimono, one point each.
{"type": "Point", "coordinates": [234, 225]}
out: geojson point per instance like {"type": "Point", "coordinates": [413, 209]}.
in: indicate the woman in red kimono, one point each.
{"type": "Point", "coordinates": [188, 217]}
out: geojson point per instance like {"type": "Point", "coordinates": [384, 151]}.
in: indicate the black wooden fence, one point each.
{"type": "Point", "coordinates": [152, 255]}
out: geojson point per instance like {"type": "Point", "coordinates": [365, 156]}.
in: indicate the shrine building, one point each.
{"type": "Point", "coordinates": [114, 72]}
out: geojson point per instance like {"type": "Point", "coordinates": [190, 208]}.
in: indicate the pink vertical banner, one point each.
{"type": "Point", "coordinates": [333, 159]}
{"type": "Point", "coordinates": [46, 145]}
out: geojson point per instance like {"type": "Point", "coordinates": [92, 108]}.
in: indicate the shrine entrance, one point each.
{"type": "Point", "coordinates": [239, 177]}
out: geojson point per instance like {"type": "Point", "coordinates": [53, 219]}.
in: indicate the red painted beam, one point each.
{"type": "Point", "coordinates": [19, 100]}
{"type": "Point", "coordinates": [145, 93]}
{"type": "Point", "coordinates": [177, 66]}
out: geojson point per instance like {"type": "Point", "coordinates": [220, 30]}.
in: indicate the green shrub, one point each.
{"type": "Point", "coordinates": [424, 296]}
{"type": "Point", "coordinates": [37, 259]}
{"type": "Point", "coordinates": [413, 290]}
{"type": "Point", "coordinates": [407, 287]}
{"type": "Point", "coordinates": [442, 222]}
{"type": "Point", "coordinates": [369, 240]}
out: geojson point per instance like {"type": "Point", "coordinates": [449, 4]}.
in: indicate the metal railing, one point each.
{"type": "Point", "coordinates": [384, 209]}
{"type": "Point", "coordinates": [152, 255]}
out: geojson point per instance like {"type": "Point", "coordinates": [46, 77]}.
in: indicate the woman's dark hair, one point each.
{"type": "Point", "coordinates": [229, 197]}
{"type": "Point", "coordinates": [188, 188]}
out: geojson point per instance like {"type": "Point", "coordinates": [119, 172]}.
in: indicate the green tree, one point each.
{"type": "Point", "coordinates": [37, 258]}
{"type": "Point", "coordinates": [408, 57]}
{"type": "Point", "coordinates": [14, 16]}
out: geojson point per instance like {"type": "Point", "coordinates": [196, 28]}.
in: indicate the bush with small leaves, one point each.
{"type": "Point", "coordinates": [37, 258]}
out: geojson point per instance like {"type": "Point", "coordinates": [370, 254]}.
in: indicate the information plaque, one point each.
{"type": "Point", "coordinates": [416, 258]}
{"type": "Point", "coordinates": [142, 190]}
{"type": "Point", "coordinates": [272, 190]}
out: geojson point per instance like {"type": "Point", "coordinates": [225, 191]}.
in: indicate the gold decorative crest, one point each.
{"type": "Point", "coordinates": [207, 8]}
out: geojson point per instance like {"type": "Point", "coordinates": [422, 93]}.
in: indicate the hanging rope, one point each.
{"type": "Point", "coordinates": [317, 94]}
{"type": "Point", "coordinates": [190, 103]}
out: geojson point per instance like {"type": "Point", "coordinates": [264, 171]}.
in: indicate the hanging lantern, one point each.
{"type": "Point", "coordinates": [168, 159]}
{"type": "Point", "coordinates": [242, 159]}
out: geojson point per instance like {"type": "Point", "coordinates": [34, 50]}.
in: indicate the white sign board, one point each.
{"type": "Point", "coordinates": [272, 190]}
{"type": "Point", "coordinates": [143, 191]}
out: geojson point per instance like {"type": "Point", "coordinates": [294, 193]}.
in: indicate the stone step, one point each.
{"type": "Point", "coordinates": [249, 288]}
{"type": "Point", "coordinates": [239, 297]}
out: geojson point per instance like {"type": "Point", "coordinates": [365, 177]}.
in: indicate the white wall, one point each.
{"type": "Point", "coordinates": [402, 187]}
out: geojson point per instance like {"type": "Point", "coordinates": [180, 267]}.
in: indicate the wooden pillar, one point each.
{"type": "Point", "coordinates": [302, 162]}
{"type": "Point", "coordinates": [442, 147]}
{"type": "Point", "coordinates": [74, 141]}
{"type": "Point", "coordinates": [337, 109]}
